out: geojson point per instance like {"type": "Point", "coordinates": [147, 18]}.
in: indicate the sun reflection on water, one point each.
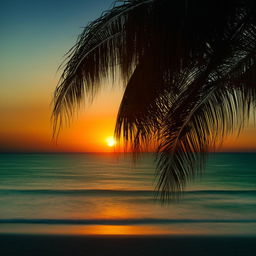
{"type": "Point", "coordinates": [124, 230]}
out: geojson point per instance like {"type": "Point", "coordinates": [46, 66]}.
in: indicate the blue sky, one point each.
{"type": "Point", "coordinates": [34, 33]}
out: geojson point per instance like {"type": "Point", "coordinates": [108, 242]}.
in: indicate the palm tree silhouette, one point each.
{"type": "Point", "coordinates": [189, 73]}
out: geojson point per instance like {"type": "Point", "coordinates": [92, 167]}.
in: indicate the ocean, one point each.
{"type": "Point", "coordinates": [109, 194]}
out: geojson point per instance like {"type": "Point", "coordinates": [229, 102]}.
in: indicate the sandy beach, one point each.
{"type": "Point", "coordinates": [126, 245]}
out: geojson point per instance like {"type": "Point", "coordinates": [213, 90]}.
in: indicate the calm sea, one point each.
{"type": "Point", "coordinates": [108, 194]}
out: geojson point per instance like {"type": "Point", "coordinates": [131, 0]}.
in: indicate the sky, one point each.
{"type": "Point", "coordinates": [35, 35]}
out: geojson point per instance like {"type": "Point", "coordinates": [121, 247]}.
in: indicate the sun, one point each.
{"type": "Point", "coordinates": [111, 141]}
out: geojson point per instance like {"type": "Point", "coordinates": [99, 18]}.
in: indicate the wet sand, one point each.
{"type": "Point", "coordinates": [38, 245]}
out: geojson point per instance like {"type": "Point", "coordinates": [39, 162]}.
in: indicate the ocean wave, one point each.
{"type": "Point", "coordinates": [143, 221]}
{"type": "Point", "coordinates": [117, 192]}
{"type": "Point", "coordinates": [76, 191]}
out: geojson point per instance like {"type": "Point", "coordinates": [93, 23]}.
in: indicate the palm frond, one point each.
{"type": "Point", "coordinates": [143, 104]}
{"type": "Point", "coordinates": [189, 75]}
{"type": "Point", "coordinates": [112, 42]}
{"type": "Point", "coordinates": [205, 112]}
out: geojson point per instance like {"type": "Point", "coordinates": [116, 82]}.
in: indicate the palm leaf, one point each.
{"type": "Point", "coordinates": [188, 72]}
{"type": "Point", "coordinates": [105, 43]}
{"type": "Point", "coordinates": [204, 114]}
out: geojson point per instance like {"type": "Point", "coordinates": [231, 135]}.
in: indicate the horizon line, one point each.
{"type": "Point", "coordinates": [119, 152]}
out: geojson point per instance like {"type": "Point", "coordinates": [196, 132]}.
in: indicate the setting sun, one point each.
{"type": "Point", "coordinates": [111, 141]}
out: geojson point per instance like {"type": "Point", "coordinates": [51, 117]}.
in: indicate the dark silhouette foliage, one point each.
{"type": "Point", "coordinates": [189, 76]}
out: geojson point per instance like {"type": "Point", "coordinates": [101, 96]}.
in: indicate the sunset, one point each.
{"type": "Point", "coordinates": [128, 127]}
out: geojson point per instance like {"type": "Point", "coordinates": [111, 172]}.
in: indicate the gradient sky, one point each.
{"type": "Point", "coordinates": [35, 35]}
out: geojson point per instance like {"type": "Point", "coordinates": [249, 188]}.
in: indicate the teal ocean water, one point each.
{"type": "Point", "coordinates": [108, 194]}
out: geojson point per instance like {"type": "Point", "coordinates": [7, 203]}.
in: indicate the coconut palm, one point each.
{"type": "Point", "coordinates": [189, 76]}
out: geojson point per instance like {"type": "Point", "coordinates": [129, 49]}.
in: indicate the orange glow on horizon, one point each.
{"type": "Point", "coordinates": [27, 127]}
